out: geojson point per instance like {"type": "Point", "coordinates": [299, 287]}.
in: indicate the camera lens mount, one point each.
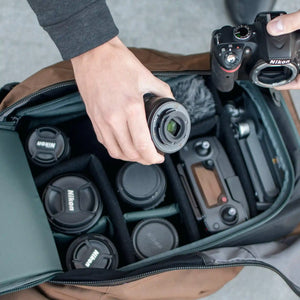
{"type": "Point", "coordinates": [270, 75]}
{"type": "Point", "coordinates": [169, 123]}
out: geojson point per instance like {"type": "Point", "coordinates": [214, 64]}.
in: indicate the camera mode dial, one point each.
{"type": "Point", "coordinates": [242, 32]}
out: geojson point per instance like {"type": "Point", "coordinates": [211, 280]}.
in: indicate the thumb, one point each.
{"type": "Point", "coordinates": [284, 24]}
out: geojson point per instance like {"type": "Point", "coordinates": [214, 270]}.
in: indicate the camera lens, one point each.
{"type": "Point", "coordinates": [154, 236]}
{"type": "Point", "coordinates": [47, 146]}
{"type": "Point", "coordinates": [72, 203]}
{"type": "Point", "coordinates": [141, 186]}
{"type": "Point", "coordinates": [92, 251]}
{"type": "Point", "coordinates": [168, 121]}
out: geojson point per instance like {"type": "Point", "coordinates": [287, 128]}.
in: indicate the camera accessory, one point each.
{"type": "Point", "coordinates": [92, 251]}
{"type": "Point", "coordinates": [192, 92]}
{"type": "Point", "coordinates": [154, 236]}
{"type": "Point", "coordinates": [248, 51]}
{"type": "Point", "coordinates": [72, 203]}
{"type": "Point", "coordinates": [257, 164]}
{"type": "Point", "coordinates": [169, 123]}
{"type": "Point", "coordinates": [215, 192]}
{"type": "Point", "coordinates": [47, 146]}
{"type": "Point", "coordinates": [141, 186]}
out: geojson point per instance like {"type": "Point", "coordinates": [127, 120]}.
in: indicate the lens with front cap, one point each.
{"type": "Point", "coordinates": [47, 146]}
{"type": "Point", "coordinates": [73, 204]}
{"type": "Point", "coordinates": [92, 251]}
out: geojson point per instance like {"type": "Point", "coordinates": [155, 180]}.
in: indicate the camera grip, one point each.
{"type": "Point", "coordinates": [223, 79]}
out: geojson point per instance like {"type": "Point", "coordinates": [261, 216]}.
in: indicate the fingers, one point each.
{"type": "Point", "coordinates": [158, 87]}
{"type": "Point", "coordinates": [295, 84]}
{"type": "Point", "coordinates": [140, 135]}
{"type": "Point", "coordinates": [126, 135]}
{"type": "Point", "coordinates": [284, 24]}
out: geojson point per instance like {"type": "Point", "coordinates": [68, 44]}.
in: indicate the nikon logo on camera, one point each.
{"type": "Point", "coordinates": [92, 258]}
{"type": "Point", "coordinates": [279, 61]}
{"type": "Point", "coordinates": [71, 198]}
{"type": "Point", "coordinates": [46, 145]}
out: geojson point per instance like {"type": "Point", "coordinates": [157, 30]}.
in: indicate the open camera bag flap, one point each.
{"type": "Point", "coordinates": [29, 260]}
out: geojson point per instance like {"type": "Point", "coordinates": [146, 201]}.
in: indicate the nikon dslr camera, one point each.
{"type": "Point", "coordinates": [249, 52]}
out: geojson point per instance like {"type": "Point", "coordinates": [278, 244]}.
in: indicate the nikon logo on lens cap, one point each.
{"type": "Point", "coordinates": [154, 236]}
{"type": "Point", "coordinates": [72, 203]}
{"type": "Point", "coordinates": [92, 251]}
{"type": "Point", "coordinates": [141, 186]}
{"type": "Point", "coordinates": [47, 145]}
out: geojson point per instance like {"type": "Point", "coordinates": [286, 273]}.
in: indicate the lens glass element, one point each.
{"type": "Point", "coordinates": [173, 127]}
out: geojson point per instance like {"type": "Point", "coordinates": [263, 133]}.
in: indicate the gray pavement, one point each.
{"type": "Point", "coordinates": [170, 25]}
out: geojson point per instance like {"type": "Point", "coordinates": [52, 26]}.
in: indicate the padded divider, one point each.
{"type": "Point", "coordinates": [162, 212]}
{"type": "Point", "coordinates": [90, 166]}
{"type": "Point", "coordinates": [112, 205]}
{"type": "Point", "coordinates": [237, 161]}
{"type": "Point", "coordinates": [180, 197]}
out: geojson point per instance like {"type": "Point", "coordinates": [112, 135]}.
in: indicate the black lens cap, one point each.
{"type": "Point", "coordinates": [141, 186]}
{"type": "Point", "coordinates": [92, 251]}
{"type": "Point", "coordinates": [47, 146]}
{"type": "Point", "coordinates": [72, 203]}
{"type": "Point", "coordinates": [154, 236]}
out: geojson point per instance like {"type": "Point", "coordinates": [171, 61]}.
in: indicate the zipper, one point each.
{"type": "Point", "coordinates": [7, 111]}
{"type": "Point", "coordinates": [120, 281]}
{"type": "Point", "coordinates": [28, 284]}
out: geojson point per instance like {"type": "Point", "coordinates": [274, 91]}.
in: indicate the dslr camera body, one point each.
{"type": "Point", "coordinates": [249, 52]}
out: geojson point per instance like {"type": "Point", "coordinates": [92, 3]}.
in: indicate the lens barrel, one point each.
{"type": "Point", "coordinates": [168, 121]}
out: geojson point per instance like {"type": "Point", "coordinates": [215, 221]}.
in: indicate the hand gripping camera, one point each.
{"type": "Point", "coordinates": [249, 52]}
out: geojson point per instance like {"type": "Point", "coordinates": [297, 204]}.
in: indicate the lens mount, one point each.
{"type": "Point", "coordinates": [268, 75]}
{"type": "Point", "coordinates": [169, 126]}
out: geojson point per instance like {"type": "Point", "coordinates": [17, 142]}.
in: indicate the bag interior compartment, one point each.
{"type": "Point", "coordinates": [216, 116]}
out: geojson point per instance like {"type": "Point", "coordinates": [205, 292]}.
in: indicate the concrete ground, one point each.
{"type": "Point", "coordinates": [170, 25]}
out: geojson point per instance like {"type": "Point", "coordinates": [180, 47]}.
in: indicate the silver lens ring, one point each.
{"type": "Point", "coordinates": [262, 65]}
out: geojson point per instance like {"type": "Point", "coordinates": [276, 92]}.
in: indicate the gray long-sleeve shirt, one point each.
{"type": "Point", "coordinates": [75, 26]}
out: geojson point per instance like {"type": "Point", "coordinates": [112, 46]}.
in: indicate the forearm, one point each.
{"type": "Point", "coordinates": [75, 26]}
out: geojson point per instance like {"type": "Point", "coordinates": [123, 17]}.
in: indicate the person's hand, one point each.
{"type": "Point", "coordinates": [282, 25]}
{"type": "Point", "coordinates": [112, 82]}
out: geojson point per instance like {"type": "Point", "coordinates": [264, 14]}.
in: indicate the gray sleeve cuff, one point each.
{"type": "Point", "coordinates": [84, 30]}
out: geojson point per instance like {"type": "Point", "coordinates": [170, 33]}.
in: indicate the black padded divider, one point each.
{"type": "Point", "coordinates": [180, 197]}
{"type": "Point", "coordinates": [90, 166]}
{"type": "Point", "coordinates": [236, 158]}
